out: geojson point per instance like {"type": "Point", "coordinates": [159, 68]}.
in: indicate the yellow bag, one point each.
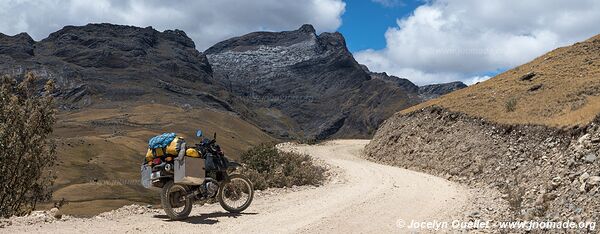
{"type": "Point", "coordinates": [191, 152]}
{"type": "Point", "coordinates": [173, 147]}
{"type": "Point", "coordinates": [149, 156]}
{"type": "Point", "coordinates": [157, 153]}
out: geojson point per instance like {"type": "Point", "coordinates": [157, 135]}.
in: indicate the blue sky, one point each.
{"type": "Point", "coordinates": [364, 22]}
{"type": "Point", "coordinates": [438, 41]}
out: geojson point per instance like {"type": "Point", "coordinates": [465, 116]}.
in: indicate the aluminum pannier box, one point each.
{"type": "Point", "coordinates": [189, 171]}
{"type": "Point", "coordinates": [146, 176]}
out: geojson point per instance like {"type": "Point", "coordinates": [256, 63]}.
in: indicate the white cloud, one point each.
{"type": "Point", "coordinates": [476, 79]}
{"type": "Point", "coordinates": [444, 40]}
{"type": "Point", "coordinates": [205, 21]}
{"type": "Point", "coordinates": [389, 3]}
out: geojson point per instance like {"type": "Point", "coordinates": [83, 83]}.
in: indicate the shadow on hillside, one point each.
{"type": "Point", "coordinates": [205, 218]}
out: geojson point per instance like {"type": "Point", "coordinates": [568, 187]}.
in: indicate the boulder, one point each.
{"type": "Point", "coordinates": [56, 213]}
{"type": "Point", "coordinates": [594, 180]}
{"type": "Point", "coordinates": [590, 158]}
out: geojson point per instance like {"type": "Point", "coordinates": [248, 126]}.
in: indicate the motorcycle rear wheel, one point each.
{"type": "Point", "coordinates": [236, 194]}
{"type": "Point", "coordinates": [173, 197]}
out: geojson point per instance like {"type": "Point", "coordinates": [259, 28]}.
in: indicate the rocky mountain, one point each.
{"type": "Point", "coordinates": [432, 91]}
{"type": "Point", "coordinates": [99, 63]}
{"type": "Point", "coordinates": [426, 92]}
{"type": "Point", "coordinates": [532, 133]}
{"type": "Point", "coordinates": [401, 82]}
{"type": "Point", "coordinates": [292, 84]}
{"type": "Point", "coordinates": [306, 85]}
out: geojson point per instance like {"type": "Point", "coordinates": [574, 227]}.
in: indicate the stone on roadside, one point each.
{"type": "Point", "coordinates": [56, 213]}
{"type": "Point", "coordinates": [590, 158]}
{"type": "Point", "coordinates": [593, 180]}
{"type": "Point", "coordinates": [583, 177]}
{"type": "Point", "coordinates": [582, 187]}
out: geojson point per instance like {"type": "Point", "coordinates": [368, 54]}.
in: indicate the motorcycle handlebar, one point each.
{"type": "Point", "coordinates": [209, 143]}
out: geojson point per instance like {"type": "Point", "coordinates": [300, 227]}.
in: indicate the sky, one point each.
{"type": "Point", "coordinates": [425, 41]}
{"type": "Point", "coordinates": [365, 22]}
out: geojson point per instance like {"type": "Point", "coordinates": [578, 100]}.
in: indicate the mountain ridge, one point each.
{"type": "Point", "coordinates": [276, 69]}
{"type": "Point", "coordinates": [124, 63]}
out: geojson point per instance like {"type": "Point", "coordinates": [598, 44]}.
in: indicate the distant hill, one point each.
{"type": "Point", "coordinates": [560, 88]}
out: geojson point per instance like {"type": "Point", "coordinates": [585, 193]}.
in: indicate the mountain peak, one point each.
{"type": "Point", "coordinates": [147, 35]}
{"type": "Point", "coordinates": [100, 58]}
{"type": "Point", "coordinates": [304, 78]}
{"type": "Point", "coordinates": [306, 33]}
{"type": "Point", "coordinates": [308, 28]}
{"type": "Point", "coordinates": [19, 46]}
{"type": "Point", "coordinates": [21, 36]}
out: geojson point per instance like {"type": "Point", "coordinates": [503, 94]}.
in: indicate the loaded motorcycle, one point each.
{"type": "Point", "coordinates": [196, 174]}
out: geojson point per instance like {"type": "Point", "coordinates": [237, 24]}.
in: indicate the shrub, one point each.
{"type": "Point", "coordinates": [26, 150]}
{"type": "Point", "coordinates": [515, 198]}
{"type": "Point", "coordinates": [266, 166]}
{"type": "Point", "coordinates": [511, 104]}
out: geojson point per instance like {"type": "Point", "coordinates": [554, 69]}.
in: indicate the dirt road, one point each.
{"type": "Point", "coordinates": [367, 197]}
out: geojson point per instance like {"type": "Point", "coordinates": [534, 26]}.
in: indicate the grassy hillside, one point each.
{"type": "Point", "coordinates": [100, 149]}
{"type": "Point", "coordinates": [564, 90]}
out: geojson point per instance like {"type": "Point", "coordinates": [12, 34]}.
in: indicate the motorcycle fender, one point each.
{"type": "Point", "coordinates": [233, 165]}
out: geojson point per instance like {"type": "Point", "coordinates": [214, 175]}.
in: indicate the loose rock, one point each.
{"type": "Point", "coordinates": [590, 158]}
{"type": "Point", "coordinates": [593, 180]}
{"type": "Point", "coordinates": [56, 213]}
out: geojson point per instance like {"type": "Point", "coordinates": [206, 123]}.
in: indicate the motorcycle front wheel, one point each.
{"type": "Point", "coordinates": [236, 194]}
{"type": "Point", "coordinates": [175, 202]}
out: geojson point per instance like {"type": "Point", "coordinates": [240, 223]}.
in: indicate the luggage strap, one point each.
{"type": "Point", "coordinates": [181, 152]}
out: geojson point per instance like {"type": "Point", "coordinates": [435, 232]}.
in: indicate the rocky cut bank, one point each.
{"type": "Point", "coordinates": [543, 172]}
{"type": "Point", "coordinates": [532, 133]}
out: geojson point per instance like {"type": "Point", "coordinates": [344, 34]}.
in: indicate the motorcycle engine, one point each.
{"type": "Point", "coordinates": [211, 189]}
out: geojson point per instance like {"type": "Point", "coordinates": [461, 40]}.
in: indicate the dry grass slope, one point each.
{"type": "Point", "coordinates": [564, 92]}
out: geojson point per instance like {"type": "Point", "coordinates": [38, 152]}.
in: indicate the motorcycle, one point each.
{"type": "Point", "coordinates": [185, 180]}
